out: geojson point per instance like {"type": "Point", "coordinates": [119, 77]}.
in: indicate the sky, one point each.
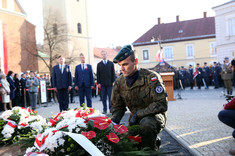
{"type": "Point", "coordinates": [121, 22]}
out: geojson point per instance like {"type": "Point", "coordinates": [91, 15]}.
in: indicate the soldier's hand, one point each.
{"type": "Point", "coordinates": [134, 119]}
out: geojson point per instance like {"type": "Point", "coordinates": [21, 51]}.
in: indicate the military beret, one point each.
{"type": "Point", "coordinates": [226, 58]}
{"type": "Point", "coordinates": [126, 51]}
{"type": "Point", "coordinates": [205, 63]}
{"type": "Point", "coordinates": [190, 65]}
{"type": "Point", "coordinates": [197, 63]}
{"type": "Point", "coordinates": [182, 66]}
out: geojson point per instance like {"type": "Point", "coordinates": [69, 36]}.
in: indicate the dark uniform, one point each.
{"type": "Point", "coordinates": [215, 75]}
{"type": "Point", "coordinates": [182, 76]}
{"type": "Point", "coordinates": [190, 77]}
{"type": "Point", "coordinates": [206, 75]}
{"type": "Point", "coordinates": [199, 77]}
{"type": "Point", "coordinates": [145, 96]}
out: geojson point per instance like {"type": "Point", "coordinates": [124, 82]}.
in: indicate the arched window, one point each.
{"type": "Point", "coordinates": [79, 28]}
{"type": "Point", "coordinates": [55, 32]}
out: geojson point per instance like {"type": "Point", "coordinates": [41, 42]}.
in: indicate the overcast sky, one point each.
{"type": "Point", "coordinates": [120, 22]}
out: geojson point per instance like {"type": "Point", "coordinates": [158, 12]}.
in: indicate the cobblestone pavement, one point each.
{"type": "Point", "coordinates": [193, 120]}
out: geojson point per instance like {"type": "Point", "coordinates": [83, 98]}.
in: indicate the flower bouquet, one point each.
{"type": "Point", "coordinates": [19, 123]}
{"type": "Point", "coordinates": [85, 132]}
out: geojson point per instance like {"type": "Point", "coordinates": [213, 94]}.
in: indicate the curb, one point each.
{"type": "Point", "coordinates": [181, 141]}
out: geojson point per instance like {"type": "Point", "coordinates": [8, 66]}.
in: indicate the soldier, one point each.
{"type": "Point", "coordinates": [182, 76]}
{"type": "Point", "coordinates": [190, 76]}
{"type": "Point", "coordinates": [199, 76]}
{"type": "Point", "coordinates": [206, 75]}
{"type": "Point", "coordinates": [143, 92]}
{"type": "Point", "coordinates": [227, 76]}
{"type": "Point", "coordinates": [215, 75]}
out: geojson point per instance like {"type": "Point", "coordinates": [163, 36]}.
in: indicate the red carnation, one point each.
{"type": "Point", "coordinates": [120, 128]}
{"type": "Point", "coordinates": [89, 135]}
{"type": "Point", "coordinates": [135, 138]}
{"type": "Point", "coordinates": [113, 137]}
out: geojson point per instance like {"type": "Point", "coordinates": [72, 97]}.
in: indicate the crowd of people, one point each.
{"type": "Point", "coordinates": [20, 89]}
{"type": "Point", "coordinates": [216, 75]}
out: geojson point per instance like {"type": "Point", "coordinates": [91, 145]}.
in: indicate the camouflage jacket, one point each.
{"type": "Point", "coordinates": [147, 96]}
{"type": "Point", "coordinates": [227, 72]}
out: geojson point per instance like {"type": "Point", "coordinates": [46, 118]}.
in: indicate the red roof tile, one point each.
{"type": "Point", "coordinates": [111, 53]}
{"type": "Point", "coordinates": [179, 31]}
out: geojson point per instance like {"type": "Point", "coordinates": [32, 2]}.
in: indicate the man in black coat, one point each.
{"type": "Point", "coordinates": [105, 79]}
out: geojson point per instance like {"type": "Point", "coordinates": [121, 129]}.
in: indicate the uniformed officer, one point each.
{"type": "Point", "coordinates": [143, 92]}
{"type": "Point", "coordinates": [190, 76]}
{"type": "Point", "coordinates": [182, 76]}
{"type": "Point", "coordinates": [215, 75]}
{"type": "Point", "coordinates": [227, 75]}
{"type": "Point", "coordinates": [199, 76]}
{"type": "Point", "coordinates": [206, 75]}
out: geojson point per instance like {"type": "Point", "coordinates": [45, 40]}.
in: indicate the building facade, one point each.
{"type": "Point", "coordinates": [182, 43]}
{"type": "Point", "coordinates": [16, 53]}
{"type": "Point", "coordinates": [74, 14]}
{"type": "Point", "coordinates": [225, 30]}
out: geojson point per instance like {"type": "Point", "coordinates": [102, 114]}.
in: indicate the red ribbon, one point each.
{"type": "Point", "coordinates": [11, 124]}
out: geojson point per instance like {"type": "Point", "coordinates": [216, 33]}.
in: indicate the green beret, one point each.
{"type": "Point", "coordinates": [126, 51]}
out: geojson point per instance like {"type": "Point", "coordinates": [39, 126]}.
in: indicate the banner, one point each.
{"type": "Point", "coordinates": [43, 91]}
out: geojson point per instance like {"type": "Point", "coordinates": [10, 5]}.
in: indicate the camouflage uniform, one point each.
{"type": "Point", "coordinates": [227, 76]}
{"type": "Point", "coordinates": [148, 97]}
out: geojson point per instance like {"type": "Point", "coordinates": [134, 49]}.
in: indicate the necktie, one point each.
{"type": "Point", "coordinates": [61, 68]}
{"type": "Point", "coordinates": [105, 62]}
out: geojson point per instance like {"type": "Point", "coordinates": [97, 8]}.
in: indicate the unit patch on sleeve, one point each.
{"type": "Point", "coordinates": [159, 89]}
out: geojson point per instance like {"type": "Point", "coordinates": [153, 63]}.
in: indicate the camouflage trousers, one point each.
{"type": "Point", "coordinates": [228, 85]}
{"type": "Point", "coordinates": [152, 125]}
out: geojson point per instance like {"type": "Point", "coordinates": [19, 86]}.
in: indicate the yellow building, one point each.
{"type": "Point", "coordinates": [74, 14]}
{"type": "Point", "coordinates": [182, 42]}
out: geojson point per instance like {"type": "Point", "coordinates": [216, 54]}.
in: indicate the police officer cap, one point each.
{"type": "Point", "coordinates": [226, 58]}
{"type": "Point", "coordinates": [197, 63]}
{"type": "Point", "coordinates": [126, 51]}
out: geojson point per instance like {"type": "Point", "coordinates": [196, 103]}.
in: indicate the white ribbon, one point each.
{"type": "Point", "coordinates": [85, 143]}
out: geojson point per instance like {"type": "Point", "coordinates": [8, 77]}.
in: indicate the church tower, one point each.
{"type": "Point", "coordinates": [74, 14]}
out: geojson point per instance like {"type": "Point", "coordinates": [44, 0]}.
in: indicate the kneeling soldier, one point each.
{"type": "Point", "coordinates": [143, 92]}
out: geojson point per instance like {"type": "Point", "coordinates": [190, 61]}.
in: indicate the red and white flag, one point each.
{"type": "Point", "coordinates": [3, 49]}
{"type": "Point", "coordinates": [159, 56]}
{"type": "Point", "coordinates": [194, 72]}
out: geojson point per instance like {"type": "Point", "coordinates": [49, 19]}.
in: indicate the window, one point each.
{"type": "Point", "coordinates": [10, 5]}
{"type": "Point", "coordinates": [189, 50]}
{"type": "Point", "coordinates": [213, 48]}
{"type": "Point", "coordinates": [168, 52]}
{"type": "Point", "coordinates": [231, 27]}
{"type": "Point", "coordinates": [145, 55]}
{"type": "Point", "coordinates": [79, 28]}
{"type": "Point", "coordinates": [55, 30]}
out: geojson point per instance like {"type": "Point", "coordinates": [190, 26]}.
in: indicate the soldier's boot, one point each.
{"type": "Point", "coordinates": [149, 138]}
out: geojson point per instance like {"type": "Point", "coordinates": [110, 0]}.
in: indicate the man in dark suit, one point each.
{"type": "Point", "coordinates": [84, 81]}
{"type": "Point", "coordinates": [62, 82]}
{"type": "Point", "coordinates": [105, 79]}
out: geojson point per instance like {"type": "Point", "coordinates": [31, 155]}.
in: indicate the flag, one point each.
{"type": "Point", "coordinates": [3, 49]}
{"type": "Point", "coordinates": [159, 56]}
{"type": "Point", "coordinates": [194, 72]}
